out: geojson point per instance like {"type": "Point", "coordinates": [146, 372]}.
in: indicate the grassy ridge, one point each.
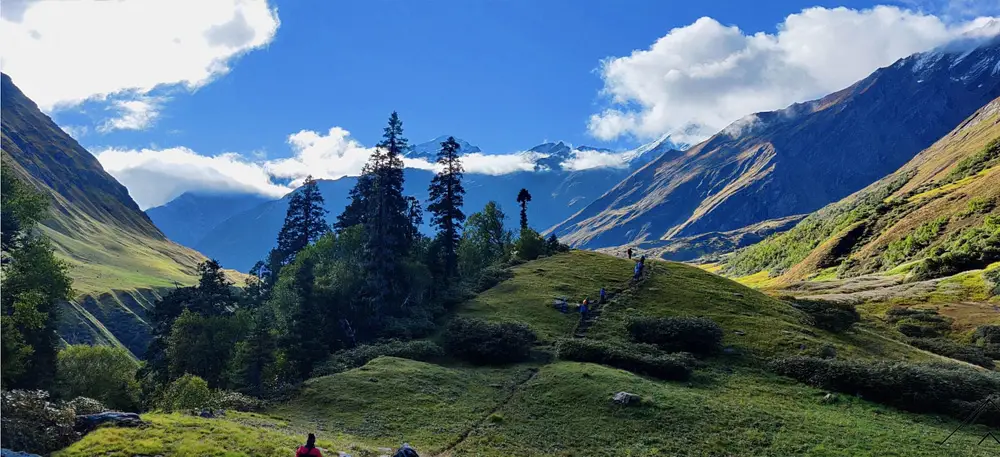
{"type": "Point", "coordinates": [564, 408]}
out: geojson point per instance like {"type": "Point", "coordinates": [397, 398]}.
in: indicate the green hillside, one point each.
{"type": "Point", "coordinates": [731, 406]}
{"type": "Point", "coordinates": [118, 259]}
{"type": "Point", "coordinates": [934, 217]}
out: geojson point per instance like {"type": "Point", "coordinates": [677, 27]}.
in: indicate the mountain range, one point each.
{"type": "Point", "coordinates": [241, 236]}
{"type": "Point", "coordinates": [778, 164]}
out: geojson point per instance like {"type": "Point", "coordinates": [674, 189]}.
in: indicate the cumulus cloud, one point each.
{"type": "Point", "coordinates": [589, 159]}
{"type": "Point", "coordinates": [61, 53]}
{"type": "Point", "coordinates": [329, 156]}
{"type": "Point", "coordinates": [499, 164]}
{"type": "Point", "coordinates": [697, 79]}
{"type": "Point", "coordinates": [136, 113]}
{"type": "Point", "coordinates": [156, 176]}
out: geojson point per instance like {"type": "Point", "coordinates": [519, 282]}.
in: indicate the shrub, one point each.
{"type": "Point", "coordinates": [84, 405]}
{"type": "Point", "coordinates": [227, 399]}
{"type": "Point", "coordinates": [530, 245]}
{"type": "Point", "coordinates": [186, 393]}
{"type": "Point", "coordinates": [678, 334]}
{"type": "Point", "coordinates": [637, 358]}
{"type": "Point", "coordinates": [481, 342]}
{"type": "Point", "coordinates": [949, 348]}
{"type": "Point", "coordinates": [31, 423]}
{"type": "Point", "coordinates": [347, 359]}
{"type": "Point", "coordinates": [987, 334]}
{"type": "Point", "coordinates": [104, 373]}
{"type": "Point", "coordinates": [918, 323]}
{"type": "Point", "coordinates": [831, 316]}
{"type": "Point", "coordinates": [992, 278]}
{"type": "Point", "coordinates": [917, 388]}
{"type": "Point", "coordinates": [491, 276]}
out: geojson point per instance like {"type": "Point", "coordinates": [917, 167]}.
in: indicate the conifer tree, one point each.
{"type": "Point", "coordinates": [523, 197]}
{"type": "Point", "coordinates": [305, 221]}
{"type": "Point", "coordinates": [446, 199]}
{"type": "Point", "coordinates": [354, 212]}
{"type": "Point", "coordinates": [387, 222]}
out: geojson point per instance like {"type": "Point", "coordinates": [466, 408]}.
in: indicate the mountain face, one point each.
{"type": "Point", "coordinates": [187, 218]}
{"type": "Point", "coordinates": [118, 259]}
{"type": "Point", "coordinates": [244, 238]}
{"type": "Point", "coordinates": [793, 161]}
{"type": "Point", "coordinates": [935, 205]}
{"type": "Point", "coordinates": [429, 150]}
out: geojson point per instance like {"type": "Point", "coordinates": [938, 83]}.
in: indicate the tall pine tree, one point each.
{"type": "Point", "coordinates": [354, 212]}
{"type": "Point", "coordinates": [387, 223]}
{"type": "Point", "coordinates": [305, 221]}
{"type": "Point", "coordinates": [523, 197]}
{"type": "Point", "coordinates": [446, 199]}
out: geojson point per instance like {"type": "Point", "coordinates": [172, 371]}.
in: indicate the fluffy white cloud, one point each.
{"type": "Point", "coordinates": [136, 113]}
{"type": "Point", "coordinates": [329, 156]}
{"type": "Point", "coordinates": [156, 176]}
{"type": "Point", "coordinates": [499, 164]}
{"type": "Point", "coordinates": [61, 53]}
{"type": "Point", "coordinates": [588, 159]}
{"type": "Point", "coordinates": [697, 79]}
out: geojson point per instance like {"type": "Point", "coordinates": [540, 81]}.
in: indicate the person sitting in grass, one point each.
{"type": "Point", "coordinates": [310, 449]}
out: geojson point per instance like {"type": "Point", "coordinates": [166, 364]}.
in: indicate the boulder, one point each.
{"type": "Point", "coordinates": [88, 422]}
{"type": "Point", "coordinates": [625, 398]}
{"type": "Point", "coordinates": [10, 453]}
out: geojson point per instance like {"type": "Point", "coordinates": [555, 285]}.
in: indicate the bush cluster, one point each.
{"type": "Point", "coordinates": [949, 348]}
{"type": "Point", "coordinates": [987, 337]}
{"type": "Point", "coordinates": [487, 343]}
{"type": "Point", "coordinates": [918, 323]}
{"type": "Point", "coordinates": [31, 423]}
{"type": "Point", "coordinates": [186, 393]}
{"type": "Point", "coordinates": [941, 389]}
{"type": "Point", "coordinates": [228, 399]}
{"type": "Point", "coordinates": [347, 359]}
{"type": "Point", "coordinates": [696, 335]}
{"type": "Point", "coordinates": [84, 405]}
{"type": "Point", "coordinates": [637, 358]}
{"type": "Point", "coordinates": [491, 276]}
{"type": "Point", "coordinates": [831, 316]}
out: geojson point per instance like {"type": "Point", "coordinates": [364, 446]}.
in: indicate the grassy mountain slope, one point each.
{"type": "Point", "coordinates": [929, 206]}
{"type": "Point", "coordinates": [560, 408]}
{"type": "Point", "coordinates": [777, 164]}
{"type": "Point", "coordinates": [114, 252]}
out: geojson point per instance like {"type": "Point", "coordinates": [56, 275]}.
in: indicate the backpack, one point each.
{"type": "Point", "coordinates": [406, 451]}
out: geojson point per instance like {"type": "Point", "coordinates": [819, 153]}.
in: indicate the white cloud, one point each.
{"type": "Point", "coordinates": [588, 159]}
{"type": "Point", "coordinates": [329, 156]}
{"type": "Point", "coordinates": [61, 53]}
{"type": "Point", "coordinates": [697, 79]}
{"type": "Point", "coordinates": [154, 177]}
{"type": "Point", "coordinates": [499, 164]}
{"type": "Point", "coordinates": [137, 113]}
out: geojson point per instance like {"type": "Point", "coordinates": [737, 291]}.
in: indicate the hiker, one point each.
{"type": "Point", "coordinates": [406, 451]}
{"type": "Point", "coordinates": [310, 449]}
{"type": "Point", "coordinates": [604, 296]}
{"type": "Point", "coordinates": [629, 253]}
{"type": "Point", "coordinates": [638, 271]}
{"type": "Point", "coordinates": [584, 308]}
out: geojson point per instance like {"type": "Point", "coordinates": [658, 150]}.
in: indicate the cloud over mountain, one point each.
{"type": "Point", "coordinates": [697, 79]}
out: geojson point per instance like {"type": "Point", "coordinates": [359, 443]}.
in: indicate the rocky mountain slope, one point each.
{"type": "Point", "coordinates": [245, 237]}
{"type": "Point", "coordinates": [118, 259]}
{"type": "Point", "coordinates": [936, 215]}
{"type": "Point", "coordinates": [793, 161]}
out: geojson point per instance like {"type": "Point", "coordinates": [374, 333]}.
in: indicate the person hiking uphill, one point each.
{"type": "Point", "coordinates": [629, 253]}
{"type": "Point", "coordinates": [604, 296]}
{"type": "Point", "coordinates": [310, 449]}
{"type": "Point", "coordinates": [584, 308]}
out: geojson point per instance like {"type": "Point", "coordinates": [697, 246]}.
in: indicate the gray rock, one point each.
{"type": "Point", "coordinates": [625, 398]}
{"type": "Point", "coordinates": [88, 422]}
{"type": "Point", "coordinates": [10, 453]}
{"type": "Point", "coordinates": [739, 332]}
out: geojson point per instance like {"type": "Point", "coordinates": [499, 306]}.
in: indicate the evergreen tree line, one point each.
{"type": "Point", "coordinates": [371, 276]}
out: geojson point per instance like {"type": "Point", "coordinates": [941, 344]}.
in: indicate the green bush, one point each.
{"type": "Point", "coordinates": [918, 323]}
{"type": "Point", "coordinates": [831, 316]}
{"type": "Point", "coordinates": [696, 335]}
{"type": "Point", "coordinates": [227, 399]}
{"type": "Point", "coordinates": [987, 334]}
{"type": "Point", "coordinates": [84, 405]}
{"type": "Point", "coordinates": [638, 358]}
{"type": "Point", "coordinates": [972, 248]}
{"type": "Point", "coordinates": [992, 278]}
{"type": "Point", "coordinates": [530, 245]}
{"type": "Point", "coordinates": [104, 373]}
{"type": "Point", "coordinates": [186, 393]}
{"type": "Point", "coordinates": [486, 343]}
{"type": "Point", "coordinates": [347, 359]}
{"type": "Point", "coordinates": [949, 348]}
{"type": "Point", "coordinates": [491, 276]}
{"type": "Point", "coordinates": [31, 423]}
{"type": "Point", "coordinates": [917, 388]}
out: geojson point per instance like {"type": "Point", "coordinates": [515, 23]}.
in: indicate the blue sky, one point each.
{"type": "Point", "coordinates": [504, 75]}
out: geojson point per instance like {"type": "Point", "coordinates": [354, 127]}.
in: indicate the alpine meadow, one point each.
{"type": "Point", "coordinates": [402, 229]}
